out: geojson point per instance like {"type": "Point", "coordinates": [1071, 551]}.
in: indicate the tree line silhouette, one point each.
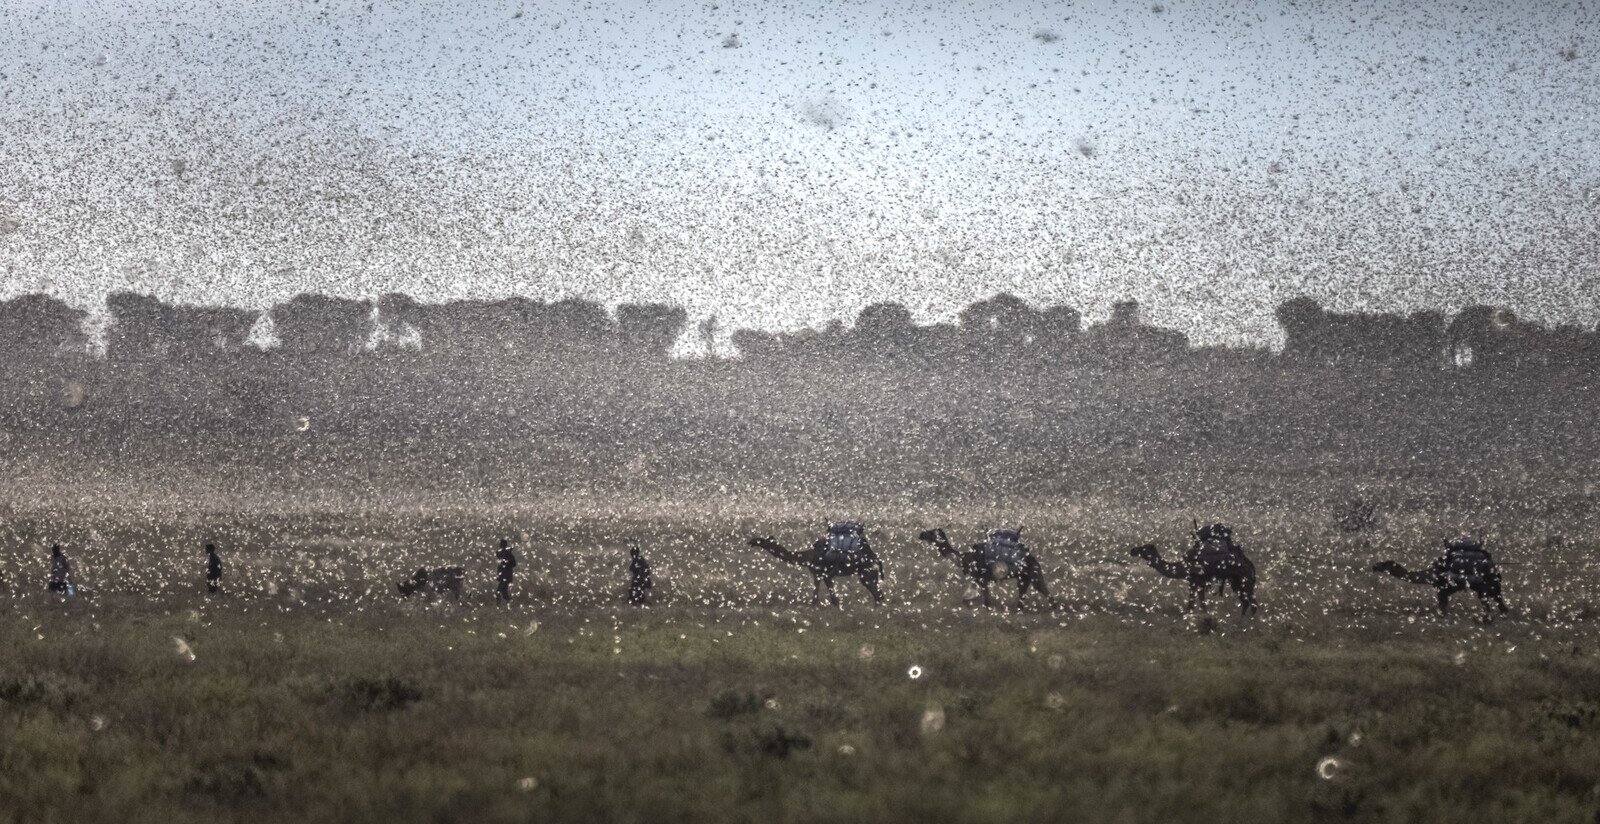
{"type": "Point", "coordinates": [358, 397]}
{"type": "Point", "coordinates": [37, 329]}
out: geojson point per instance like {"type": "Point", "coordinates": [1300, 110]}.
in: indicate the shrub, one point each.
{"type": "Point", "coordinates": [33, 688]}
{"type": "Point", "coordinates": [733, 703]}
{"type": "Point", "coordinates": [379, 694]}
{"type": "Point", "coordinates": [769, 740]}
{"type": "Point", "coordinates": [235, 781]}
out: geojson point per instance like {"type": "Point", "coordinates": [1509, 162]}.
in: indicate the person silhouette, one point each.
{"type": "Point", "coordinates": [213, 570]}
{"type": "Point", "coordinates": [508, 563]}
{"type": "Point", "coordinates": [60, 573]}
{"type": "Point", "coordinates": [639, 583]}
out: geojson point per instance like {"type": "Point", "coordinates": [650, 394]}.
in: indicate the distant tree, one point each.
{"type": "Point", "coordinates": [1302, 320]}
{"type": "Point", "coordinates": [1423, 340]}
{"type": "Point", "coordinates": [311, 324]}
{"type": "Point", "coordinates": [1360, 339]}
{"type": "Point", "coordinates": [1126, 314]}
{"type": "Point", "coordinates": [399, 312]}
{"type": "Point", "coordinates": [648, 331]}
{"type": "Point", "coordinates": [883, 328]}
{"type": "Point", "coordinates": [141, 327]}
{"type": "Point", "coordinates": [1483, 336]}
{"type": "Point", "coordinates": [1573, 346]}
{"type": "Point", "coordinates": [574, 324]}
{"type": "Point", "coordinates": [1059, 330]}
{"type": "Point", "coordinates": [1125, 339]}
{"type": "Point", "coordinates": [1001, 327]}
{"type": "Point", "coordinates": [34, 327]}
{"type": "Point", "coordinates": [943, 345]}
{"type": "Point", "coordinates": [494, 330]}
{"type": "Point", "coordinates": [145, 328]}
{"type": "Point", "coordinates": [708, 336]}
{"type": "Point", "coordinates": [755, 345]}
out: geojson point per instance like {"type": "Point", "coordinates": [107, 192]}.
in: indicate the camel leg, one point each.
{"type": "Point", "coordinates": [1489, 595]}
{"type": "Point", "coordinates": [869, 579]}
{"type": "Point", "coordinates": [1494, 592]}
{"type": "Point", "coordinates": [1246, 590]}
{"type": "Point", "coordinates": [1486, 602]}
{"type": "Point", "coordinates": [1037, 578]}
{"type": "Point", "coordinates": [1197, 596]}
{"type": "Point", "coordinates": [833, 597]}
{"type": "Point", "coordinates": [983, 586]}
{"type": "Point", "coordinates": [1444, 596]}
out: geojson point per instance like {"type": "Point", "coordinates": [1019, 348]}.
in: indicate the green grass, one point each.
{"type": "Point", "coordinates": [675, 714]}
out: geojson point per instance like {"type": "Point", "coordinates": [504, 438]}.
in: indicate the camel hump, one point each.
{"type": "Point", "coordinates": [1004, 546]}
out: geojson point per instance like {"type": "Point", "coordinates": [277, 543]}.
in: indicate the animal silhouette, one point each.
{"type": "Point", "coordinates": [826, 560]}
{"type": "Point", "coordinates": [983, 564]}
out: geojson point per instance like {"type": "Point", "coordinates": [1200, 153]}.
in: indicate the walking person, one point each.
{"type": "Point", "coordinates": [639, 583]}
{"type": "Point", "coordinates": [213, 570]}
{"type": "Point", "coordinates": [508, 563]}
{"type": "Point", "coordinates": [61, 573]}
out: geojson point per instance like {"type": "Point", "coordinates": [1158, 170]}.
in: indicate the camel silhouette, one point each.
{"type": "Point", "coordinates": [984, 570]}
{"type": "Point", "coordinates": [825, 565]}
{"type": "Point", "coordinates": [1465, 565]}
{"type": "Point", "coordinates": [1212, 559]}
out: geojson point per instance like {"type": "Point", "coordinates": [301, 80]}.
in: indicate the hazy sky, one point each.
{"type": "Point", "coordinates": [781, 166]}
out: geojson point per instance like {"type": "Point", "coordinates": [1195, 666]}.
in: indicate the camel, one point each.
{"type": "Point", "coordinates": [825, 563]}
{"type": "Point", "coordinates": [433, 583]}
{"type": "Point", "coordinates": [1213, 559]}
{"type": "Point", "coordinates": [984, 568]}
{"type": "Point", "coordinates": [1465, 565]}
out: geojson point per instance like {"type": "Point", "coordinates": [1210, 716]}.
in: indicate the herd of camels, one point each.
{"type": "Point", "coordinates": [1212, 559]}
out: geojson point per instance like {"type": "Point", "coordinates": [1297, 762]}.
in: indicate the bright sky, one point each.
{"type": "Point", "coordinates": [779, 166]}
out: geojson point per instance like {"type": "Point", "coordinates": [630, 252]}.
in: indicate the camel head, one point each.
{"type": "Point", "coordinates": [1146, 552]}
{"type": "Point", "coordinates": [1386, 566]}
{"type": "Point", "coordinates": [932, 536]}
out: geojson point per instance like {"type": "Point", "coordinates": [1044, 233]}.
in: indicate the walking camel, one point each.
{"type": "Point", "coordinates": [1000, 556]}
{"type": "Point", "coordinates": [1213, 559]}
{"type": "Point", "coordinates": [843, 552]}
{"type": "Point", "coordinates": [1464, 565]}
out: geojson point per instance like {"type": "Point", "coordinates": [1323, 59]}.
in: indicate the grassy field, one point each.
{"type": "Point", "coordinates": [310, 692]}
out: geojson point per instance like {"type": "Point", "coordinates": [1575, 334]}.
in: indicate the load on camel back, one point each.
{"type": "Point", "coordinates": [1466, 558]}
{"type": "Point", "coordinates": [1213, 545]}
{"type": "Point", "coordinates": [1004, 546]}
{"type": "Point", "coordinates": [845, 542]}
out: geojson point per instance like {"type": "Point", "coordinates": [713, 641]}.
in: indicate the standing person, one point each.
{"type": "Point", "coordinates": [213, 570]}
{"type": "Point", "coordinates": [639, 584]}
{"type": "Point", "coordinates": [60, 573]}
{"type": "Point", "coordinates": [508, 562]}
